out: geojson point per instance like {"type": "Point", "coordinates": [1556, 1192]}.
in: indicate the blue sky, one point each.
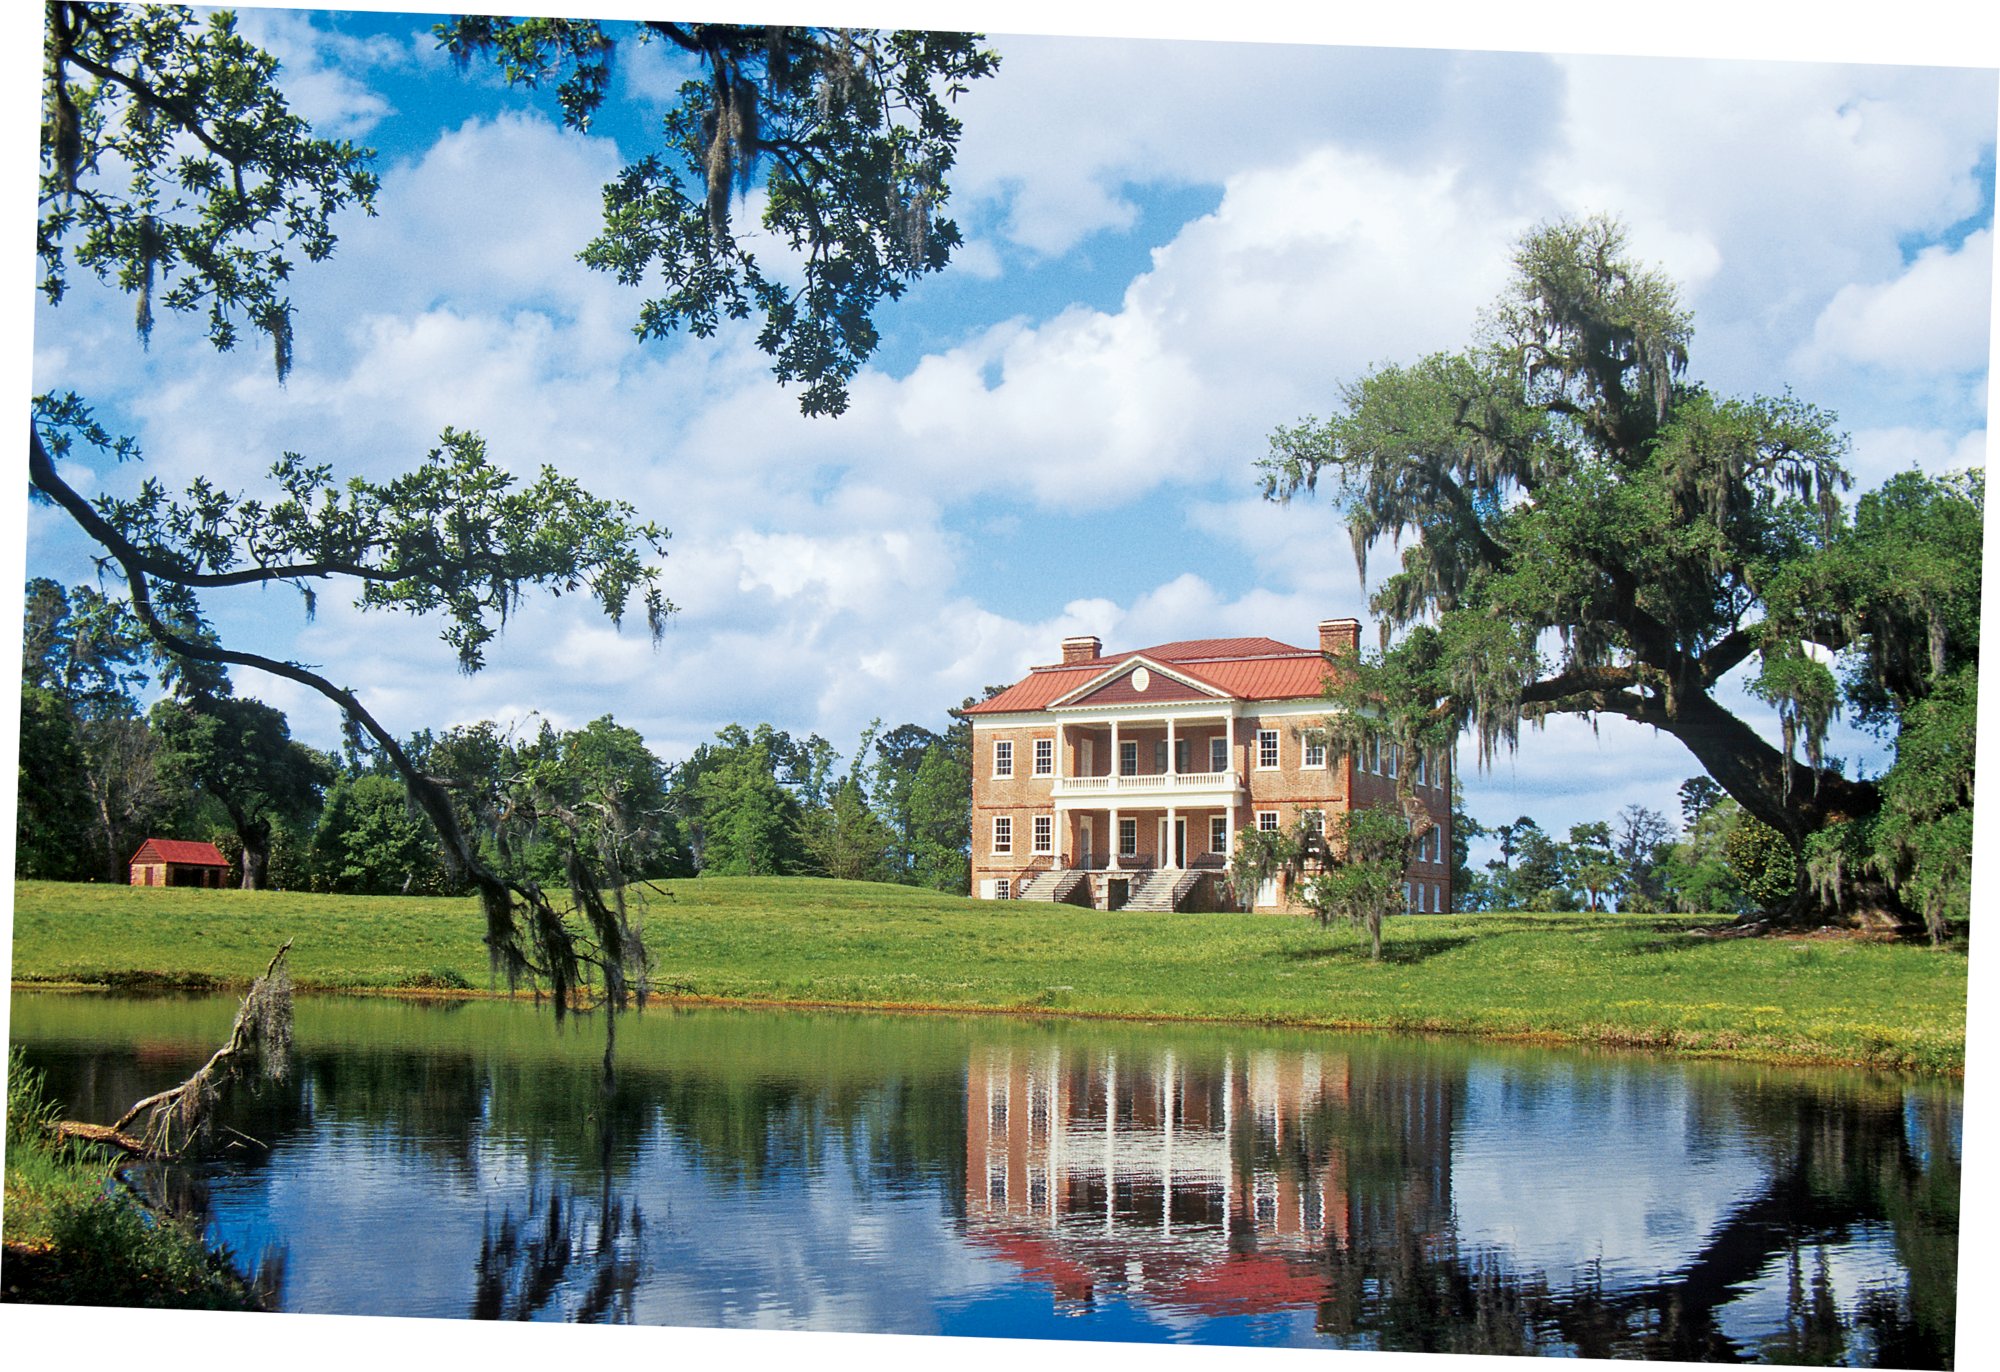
{"type": "Point", "coordinates": [1172, 248]}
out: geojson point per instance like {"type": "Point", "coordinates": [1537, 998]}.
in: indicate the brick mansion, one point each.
{"type": "Point", "coordinates": [1119, 781]}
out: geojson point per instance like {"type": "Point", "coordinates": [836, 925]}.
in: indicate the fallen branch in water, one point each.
{"type": "Point", "coordinates": [260, 1040]}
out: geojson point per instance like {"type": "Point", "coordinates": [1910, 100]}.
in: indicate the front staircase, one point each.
{"type": "Point", "coordinates": [1163, 889]}
{"type": "Point", "coordinates": [1057, 884]}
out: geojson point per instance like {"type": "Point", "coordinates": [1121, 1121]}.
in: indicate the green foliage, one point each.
{"type": "Point", "coordinates": [850, 133]}
{"type": "Point", "coordinates": [1561, 482]}
{"type": "Point", "coordinates": [1363, 880]}
{"type": "Point", "coordinates": [240, 752]}
{"type": "Point", "coordinates": [846, 840]}
{"type": "Point", "coordinates": [1764, 863]}
{"type": "Point", "coordinates": [83, 646]}
{"type": "Point", "coordinates": [369, 842]}
{"type": "Point", "coordinates": [1696, 875]}
{"type": "Point", "coordinates": [52, 818]}
{"type": "Point", "coordinates": [1921, 838]}
{"type": "Point", "coordinates": [81, 1238]}
{"type": "Point", "coordinates": [1260, 855]}
{"type": "Point", "coordinates": [1593, 864]}
{"type": "Point", "coordinates": [941, 814]}
{"type": "Point", "coordinates": [172, 168]}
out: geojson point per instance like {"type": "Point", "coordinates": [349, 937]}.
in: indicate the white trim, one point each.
{"type": "Point", "coordinates": [1035, 747]}
{"type": "Point", "coordinates": [1126, 668]}
{"type": "Point", "coordinates": [1008, 821]}
{"type": "Point", "coordinates": [1003, 746]}
{"type": "Point", "coordinates": [1274, 821]}
{"type": "Point", "coordinates": [1041, 835]}
{"type": "Point", "coordinates": [1277, 751]}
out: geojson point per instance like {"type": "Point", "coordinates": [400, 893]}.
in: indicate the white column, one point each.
{"type": "Point", "coordinates": [1113, 769]}
{"type": "Point", "coordinates": [1110, 1138]}
{"type": "Point", "coordinates": [1116, 854]}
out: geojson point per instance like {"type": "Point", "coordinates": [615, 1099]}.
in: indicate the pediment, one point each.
{"type": "Point", "coordinates": [1139, 681]}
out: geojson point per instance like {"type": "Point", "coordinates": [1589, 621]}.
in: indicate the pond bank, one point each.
{"type": "Point", "coordinates": [1629, 981]}
{"type": "Point", "coordinates": [75, 1236]}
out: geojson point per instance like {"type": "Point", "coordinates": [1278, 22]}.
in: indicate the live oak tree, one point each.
{"type": "Point", "coordinates": [850, 133]}
{"type": "Point", "coordinates": [172, 169]}
{"type": "Point", "coordinates": [1586, 531]}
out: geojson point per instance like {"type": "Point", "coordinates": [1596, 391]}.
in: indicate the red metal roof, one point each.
{"type": "Point", "coordinates": [1198, 649]}
{"type": "Point", "coordinates": [1246, 668]}
{"type": "Point", "coordinates": [181, 851]}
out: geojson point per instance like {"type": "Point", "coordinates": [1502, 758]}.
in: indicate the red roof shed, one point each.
{"type": "Point", "coordinates": [178, 862]}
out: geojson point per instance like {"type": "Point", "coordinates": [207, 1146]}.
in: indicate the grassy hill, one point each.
{"type": "Point", "coordinates": [1628, 980]}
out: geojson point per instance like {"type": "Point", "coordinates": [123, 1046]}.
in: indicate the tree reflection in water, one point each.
{"type": "Point", "coordinates": [1246, 1184]}
{"type": "Point", "coordinates": [525, 1263]}
{"type": "Point", "coordinates": [1040, 1179]}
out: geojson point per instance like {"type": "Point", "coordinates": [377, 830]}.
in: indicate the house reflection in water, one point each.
{"type": "Point", "coordinates": [1212, 1187]}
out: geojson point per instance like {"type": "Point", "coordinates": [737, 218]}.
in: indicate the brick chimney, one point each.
{"type": "Point", "coordinates": [1340, 637]}
{"type": "Point", "coordinates": [1087, 648]}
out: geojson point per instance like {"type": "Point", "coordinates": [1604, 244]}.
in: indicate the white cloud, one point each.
{"type": "Point", "coordinates": [1933, 317]}
{"type": "Point", "coordinates": [322, 69]}
{"type": "Point", "coordinates": [1879, 454]}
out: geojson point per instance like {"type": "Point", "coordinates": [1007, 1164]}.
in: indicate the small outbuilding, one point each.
{"type": "Point", "coordinates": [178, 862]}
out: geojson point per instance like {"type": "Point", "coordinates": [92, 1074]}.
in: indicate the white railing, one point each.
{"type": "Point", "coordinates": [1151, 784]}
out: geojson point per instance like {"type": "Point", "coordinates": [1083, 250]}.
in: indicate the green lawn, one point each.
{"type": "Point", "coordinates": [1638, 980]}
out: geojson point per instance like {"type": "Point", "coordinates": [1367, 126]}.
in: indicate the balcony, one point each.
{"type": "Point", "coordinates": [1152, 786]}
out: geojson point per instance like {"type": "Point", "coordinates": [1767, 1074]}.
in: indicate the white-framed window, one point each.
{"type": "Point", "coordinates": [1128, 837]}
{"type": "Point", "coordinates": [1437, 898]}
{"type": "Point", "coordinates": [1218, 753]}
{"type": "Point", "coordinates": [1422, 907]}
{"type": "Point", "coordinates": [1003, 889]}
{"type": "Point", "coordinates": [1045, 833]}
{"type": "Point", "coordinates": [1371, 755]}
{"type": "Point", "coordinates": [1003, 834]}
{"type": "Point", "coordinates": [1045, 757]}
{"type": "Point", "coordinates": [1316, 823]}
{"type": "Point", "coordinates": [1267, 821]}
{"type": "Point", "coordinates": [1409, 896]}
{"type": "Point", "coordinates": [1394, 756]}
{"type": "Point", "coordinates": [1423, 769]}
{"type": "Point", "coordinates": [1128, 759]}
{"type": "Point", "coordinates": [1003, 757]}
{"type": "Point", "coordinates": [1159, 757]}
{"type": "Point", "coordinates": [1315, 754]}
{"type": "Point", "coordinates": [1267, 749]}
{"type": "Point", "coordinates": [1218, 834]}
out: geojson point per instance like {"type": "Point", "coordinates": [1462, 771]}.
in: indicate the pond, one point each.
{"type": "Point", "coordinates": [1053, 1179]}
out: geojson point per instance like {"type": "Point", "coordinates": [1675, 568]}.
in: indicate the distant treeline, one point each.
{"type": "Point", "coordinates": [99, 775]}
{"type": "Point", "coordinates": [1719, 860]}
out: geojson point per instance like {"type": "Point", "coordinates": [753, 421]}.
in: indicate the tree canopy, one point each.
{"type": "Point", "coordinates": [1585, 530]}
{"type": "Point", "coordinates": [174, 170]}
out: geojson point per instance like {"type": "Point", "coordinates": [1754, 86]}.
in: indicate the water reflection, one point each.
{"type": "Point", "coordinates": [954, 1176]}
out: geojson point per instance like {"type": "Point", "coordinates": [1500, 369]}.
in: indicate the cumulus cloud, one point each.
{"type": "Point", "coordinates": [1364, 206]}
{"type": "Point", "coordinates": [321, 68]}
{"type": "Point", "coordinates": [1932, 317]}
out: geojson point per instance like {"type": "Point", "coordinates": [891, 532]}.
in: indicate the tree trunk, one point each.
{"type": "Point", "coordinates": [256, 839]}
{"type": "Point", "coordinates": [1798, 802]}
